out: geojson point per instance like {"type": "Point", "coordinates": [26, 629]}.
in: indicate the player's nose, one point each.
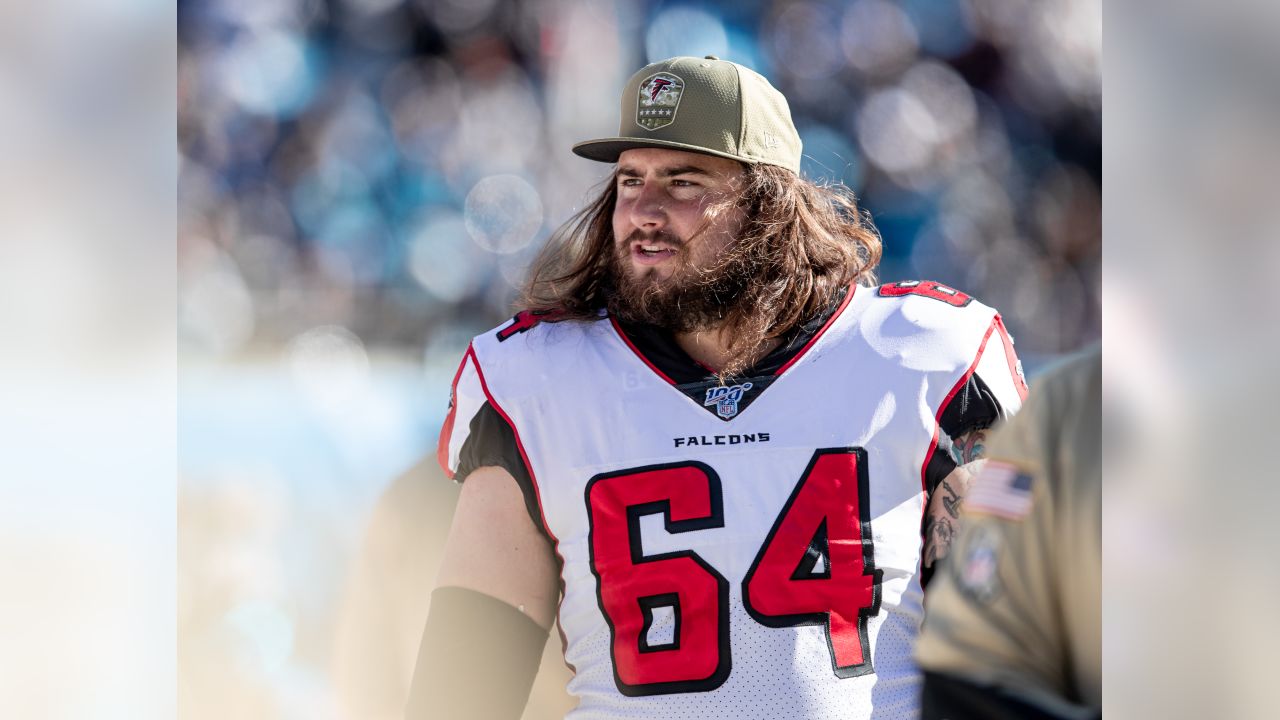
{"type": "Point", "coordinates": [648, 212]}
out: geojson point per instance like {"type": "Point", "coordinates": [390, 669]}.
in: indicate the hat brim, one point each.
{"type": "Point", "coordinates": [610, 149]}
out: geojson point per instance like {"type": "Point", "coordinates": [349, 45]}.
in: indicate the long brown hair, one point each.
{"type": "Point", "coordinates": [801, 244]}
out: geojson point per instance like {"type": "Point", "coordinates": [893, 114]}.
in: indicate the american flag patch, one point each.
{"type": "Point", "coordinates": [1001, 489]}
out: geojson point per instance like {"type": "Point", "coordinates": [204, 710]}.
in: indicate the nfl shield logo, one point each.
{"type": "Point", "coordinates": [726, 399]}
{"type": "Point", "coordinates": [660, 95]}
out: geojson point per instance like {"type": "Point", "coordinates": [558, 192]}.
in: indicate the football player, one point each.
{"type": "Point", "coordinates": [708, 443]}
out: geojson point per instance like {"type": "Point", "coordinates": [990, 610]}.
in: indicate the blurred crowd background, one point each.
{"type": "Point", "coordinates": [363, 182]}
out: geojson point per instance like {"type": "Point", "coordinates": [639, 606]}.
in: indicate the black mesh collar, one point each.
{"type": "Point", "coordinates": [659, 347]}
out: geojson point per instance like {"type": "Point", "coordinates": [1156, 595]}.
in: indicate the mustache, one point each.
{"type": "Point", "coordinates": [661, 236]}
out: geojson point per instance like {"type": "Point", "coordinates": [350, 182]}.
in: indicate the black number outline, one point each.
{"type": "Point", "coordinates": [867, 667]}
{"type": "Point", "coordinates": [634, 513]}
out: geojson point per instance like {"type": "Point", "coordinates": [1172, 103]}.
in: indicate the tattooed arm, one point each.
{"type": "Point", "coordinates": [943, 519]}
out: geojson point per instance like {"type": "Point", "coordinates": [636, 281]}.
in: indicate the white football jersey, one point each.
{"type": "Point", "coordinates": [754, 562]}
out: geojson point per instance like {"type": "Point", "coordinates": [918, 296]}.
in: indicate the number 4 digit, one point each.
{"type": "Point", "coordinates": [826, 520]}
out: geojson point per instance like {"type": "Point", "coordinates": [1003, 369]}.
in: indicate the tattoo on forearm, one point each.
{"type": "Point", "coordinates": [941, 524]}
{"type": "Point", "coordinates": [939, 533]}
{"type": "Point", "coordinates": [969, 447]}
{"type": "Point", "coordinates": [951, 500]}
{"type": "Point", "coordinates": [940, 530]}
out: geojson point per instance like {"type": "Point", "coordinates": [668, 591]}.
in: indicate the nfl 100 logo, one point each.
{"type": "Point", "coordinates": [726, 399]}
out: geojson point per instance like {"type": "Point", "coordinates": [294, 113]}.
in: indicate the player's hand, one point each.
{"type": "Point", "coordinates": [942, 521]}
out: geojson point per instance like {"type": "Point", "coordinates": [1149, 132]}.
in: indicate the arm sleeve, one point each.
{"type": "Point", "coordinates": [477, 659]}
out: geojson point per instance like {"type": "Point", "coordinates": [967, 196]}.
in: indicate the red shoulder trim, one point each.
{"type": "Point", "coordinates": [1015, 367]}
{"type": "Point", "coordinates": [848, 297]}
{"type": "Point", "coordinates": [446, 430]}
{"type": "Point", "coordinates": [537, 492]}
{"type": "Point", "coordinates": [937, 419]}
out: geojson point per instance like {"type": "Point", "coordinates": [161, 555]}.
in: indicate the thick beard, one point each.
{"type": "Point", "coordinates": [691, 299]}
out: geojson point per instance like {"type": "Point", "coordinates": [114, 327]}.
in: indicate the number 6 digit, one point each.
{"type": "Point", "coordinates": [631, 585]}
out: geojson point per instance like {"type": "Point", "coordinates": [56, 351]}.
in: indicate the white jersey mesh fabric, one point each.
{"type": "Point", "coordinates": [598, 425]}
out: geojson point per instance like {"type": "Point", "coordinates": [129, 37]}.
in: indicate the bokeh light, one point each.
{"type": "Point", "coordinates": [329, 364]}
{"type": "Point", "coordinates": [805, 40]}
{"type": "Point", "coordinates": [503, 212]}
{"type": "Point", "coordinates": [878, 37]}
{"type": "Point", "coordinates": [897, 131]}
{"type": "Point", "coordinates": [442, 260]}
{"type": "Point", "coordinates": [266, 72]}
{"type": "Point", "coordinates": [685, 30]}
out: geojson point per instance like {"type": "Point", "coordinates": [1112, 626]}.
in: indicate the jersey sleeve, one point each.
{"type": "Point", "coordinates": [476, 435]}
{"type": "Point", "coordinates": [993, 392]}
{"type": "Point", "coordinates": [466, 398]}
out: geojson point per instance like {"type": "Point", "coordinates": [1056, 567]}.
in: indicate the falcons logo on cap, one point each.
{"type": "Point", "coordinates": [657, 86]}
{"type": "Point", "coordinates": [658, 100]}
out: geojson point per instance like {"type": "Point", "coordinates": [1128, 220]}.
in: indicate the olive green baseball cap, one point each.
{"type": "Point", "coordinates": [705, 105]}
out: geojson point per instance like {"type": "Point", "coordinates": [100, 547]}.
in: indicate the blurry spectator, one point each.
{"type": "Point", "coordinates": [1013, 625]}
{"type": "Point", "coordinates": [387, 598]}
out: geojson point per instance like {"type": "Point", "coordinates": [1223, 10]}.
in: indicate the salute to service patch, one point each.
{"type": "Point", "coordinates": [659, 98]}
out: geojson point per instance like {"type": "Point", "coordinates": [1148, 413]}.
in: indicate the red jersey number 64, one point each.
{"type": "Point", "coordinates": [825, 520]}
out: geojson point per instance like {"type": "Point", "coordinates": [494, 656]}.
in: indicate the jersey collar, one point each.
{"type": "Point", "coordinates": [658, 348]}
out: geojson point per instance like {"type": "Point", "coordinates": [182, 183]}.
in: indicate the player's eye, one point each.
{"type": "Point", "coordinates": [685, 186]}
{"type": "Point", "coordinates": [628, 182]}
